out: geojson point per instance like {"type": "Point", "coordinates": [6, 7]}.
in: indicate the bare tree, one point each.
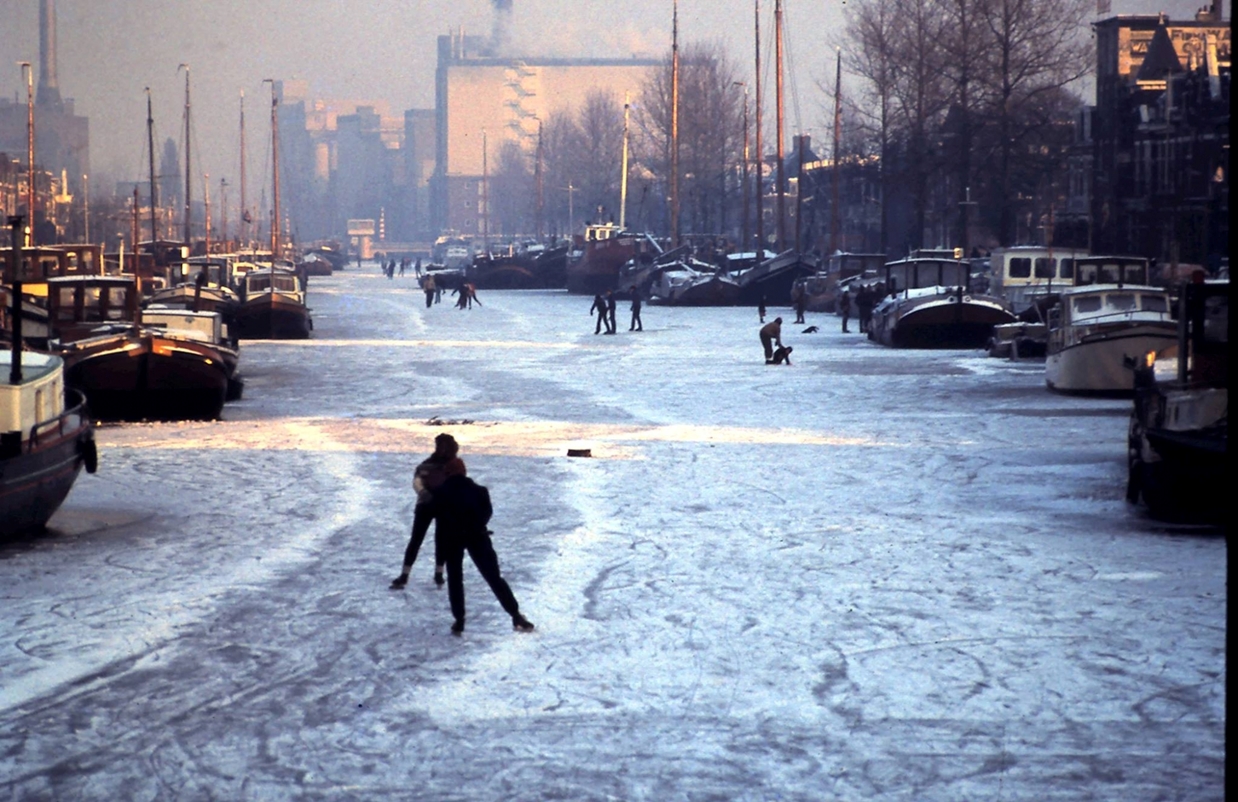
{"type": "Point", "coordinates": [1038, 48]}
{"type": "Point", "coordinates": [512, 193]}
{"type": "Point", "coordinates": [870, 49]}
{"type": "Point", "coordinates": [710, 134]}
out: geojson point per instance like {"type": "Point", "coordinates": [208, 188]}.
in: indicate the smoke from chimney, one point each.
{"type": "Point", "coordinates": [49, 86]}
{"type": "Point", "coordinates": [500, 31]}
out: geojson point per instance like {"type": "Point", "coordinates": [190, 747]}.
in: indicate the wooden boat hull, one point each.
{"type": "Point", "coordinates": [599, 268]}
{"type": "Point", "coordinates": [709, 291]}
{"type": "Point", "coordinates": [35, 480]}
{"type": "Point", "coordinates": [771, 281]}
{"type": "Point", "coordinates": [271, 316]}
{"type": "Point", "coordinates": [144, 377]}
{"type": "Point", "coordinates": [940, 321]}
{"type": "Point", "coordinates": [1097, 365]}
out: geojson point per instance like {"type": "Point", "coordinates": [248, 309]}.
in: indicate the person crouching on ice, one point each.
{"type": "Point", "coordinates": [771, 333]}
{"type": "Point", "coordinates": [783, 354]}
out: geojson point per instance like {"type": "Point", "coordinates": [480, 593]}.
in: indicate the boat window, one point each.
{"type": "Point", "coordinates": [1020, 268]}
{"type": "Point", "coordinates": [1108, 274]}
{"type": "Point", "coordinates": [286, 283]}
{"type": "Point", "coordinates": [1066, 268]}
{"type": "Point", "coordinates": [1153, 303]}
{"type": "Point", "coordinates": [259, 283]}
{"type": "Point", "coordinates": [1123, 302]}
{"type": "Point", "coordinates": [1134, 274]}
{"type": "Point", "coordinates": [1044, 267]}
{"type": "Point", "coordinates": [1090, 303]}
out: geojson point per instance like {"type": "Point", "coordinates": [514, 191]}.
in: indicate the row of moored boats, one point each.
{"type": "Point", "coordinates": [86, 341]}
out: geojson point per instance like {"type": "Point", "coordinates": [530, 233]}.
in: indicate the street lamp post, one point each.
{"type": "Point", "coordinates": [29, 74]}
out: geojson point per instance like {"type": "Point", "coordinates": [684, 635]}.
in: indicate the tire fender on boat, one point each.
{"type": "Point", "coordinates": [89, 452]}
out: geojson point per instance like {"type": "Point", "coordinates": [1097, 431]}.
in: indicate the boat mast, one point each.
{"type": "Point", "coordinates": [15, 225]}
{"type": "Point", "coordinates": [245, 217]}
{"type": "Point", "coordinates": [277, 222]}
{"type": "Point", "coordinates": [188, 171]}
{"type": "Point", "coordinates": [623, 178]}
{"type": "Point", "coordinates": [838, 95]}
{"type": "Point", "coordinates": [154, 189]}
{"type": "Point", "coordinates": [537, 169]}
{"type": "Point", "coordinates": [206, 200]}
{"type": "Point", "coordinates": [760, 177]}
{"type": "Point", "coordinates": [779, 178]}
{"type": "Point", "coordinates": [675, 126]}
{"type": "Point", "coordinates": [485, 194]}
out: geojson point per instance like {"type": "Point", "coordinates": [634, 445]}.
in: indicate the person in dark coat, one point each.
{"type": "Point", "coordinates": [783, 354]}
{"type": "Point", "coordinates": [428, 286]}
{"type": "Point", "coordinates": [611, 325]}
{"type": "Point", "coordinates": [428, 477]}
{"type": "Point", "coordinates": [462, 509]}
{"type": "Point", "coordinates": [799, 297]}
{"type": "Point", "coordinates": [844, 308]}
{"type": "Point", "coordinates": [636, 324]}
{"type": "Point", "coordinates": [771, 333]}
{"type": "Point", "coordinates": [599, 306]}
{"type": "Point", "coordinates": [761, 308]}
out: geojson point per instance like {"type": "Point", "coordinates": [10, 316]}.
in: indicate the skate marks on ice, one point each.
{"type": "Point", "coordinates": [280, 510]}
{"type": "Point", "coordinates": [500, 438]}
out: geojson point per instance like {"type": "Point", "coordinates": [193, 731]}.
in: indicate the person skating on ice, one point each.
{"type": "Point", "coordinates": [428, 476]}
{"type": "Point", "coordinates": [461, 509]}
{"type": "Point", "coordinates": [636, 324]}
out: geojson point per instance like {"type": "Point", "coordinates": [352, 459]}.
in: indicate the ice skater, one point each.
{"type": "Point", "coordinates": [611, 325]}
{"type": "Point", "coordinates": [428, 476]}
{"type": "Point", "coordinates": [771, 333]}
{"type": "Point", "coordinates": [599, 306]}
{"type": "Point", "coordinates": [781, 355]}
{"type": "Point", "coordinates": [636, 324]}
{"type": "Point", "coordinates": [461, 508]}
{"type": "Point", "coordinates": [761, 308]}
{"type": "Point", "coordinates": [844, 308]}
{"type": "Point", "coordinates": [427, 286]}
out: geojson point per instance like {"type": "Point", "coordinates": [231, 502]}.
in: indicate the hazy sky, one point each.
{"type": "Point", "coordinates": [110, 50]}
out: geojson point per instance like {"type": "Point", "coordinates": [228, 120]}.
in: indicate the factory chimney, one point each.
{"type": "Point", "coordinates": [49, 86]}
{"type": "Point", "coordinates": [500, 33]}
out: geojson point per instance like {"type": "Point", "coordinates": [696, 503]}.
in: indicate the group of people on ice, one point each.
{"type": "Point", "coordinates": [604, 305]}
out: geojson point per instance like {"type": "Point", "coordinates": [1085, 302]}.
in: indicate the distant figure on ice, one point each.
{"type": "Point", "coordinates": [599, 306]}
{"type": "Point", "coordinates": [611, 325]}
{"type": "Point", "coordinates": [844, 308]}
{"type": "Point", "coordinates": [799, 298]}
{"type": "Point", "coordinates": [761, 307]}
{"type": "Point", "coordinates": [864, 308]}
{"type": "Point", "coordinates": [636, 324]}
{"type": "Point", "coordinates": [428, 476]}
{"type": "Point", "coordinates": [771, 333]}
{"type": "Point", "coordinates": [783, 354]}
{"type": "Point", "coordinates": [427, 285]}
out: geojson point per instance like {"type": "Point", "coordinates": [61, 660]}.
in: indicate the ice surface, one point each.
{"type": "Point", "coordinates": [874, 574]}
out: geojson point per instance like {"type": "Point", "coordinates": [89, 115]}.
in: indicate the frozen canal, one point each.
{"type": "Point", "coordinates": [873, 574]}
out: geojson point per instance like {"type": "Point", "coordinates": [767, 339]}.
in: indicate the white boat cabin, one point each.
{"type": "Point", "coordinates": [602, 231]}
{"type": "Point", "coordinates": [268, 280]}
{"type": "Point", "coordinates": [1111, 270]}
{"type": "Point", "coordinates": [1111, 303]}
{"type": "Point", "coordinates": [38, 398]}
{"type": "Point", "coordinates": [1023, 273]}
{"type": "Point", "coordinates": [918, 273]}
{"type": "Point", "coordinates": [202, 326]}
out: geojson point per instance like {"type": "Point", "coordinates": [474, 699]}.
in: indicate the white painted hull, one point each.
{"type": "Point", "coordinates": [1097, 365]}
